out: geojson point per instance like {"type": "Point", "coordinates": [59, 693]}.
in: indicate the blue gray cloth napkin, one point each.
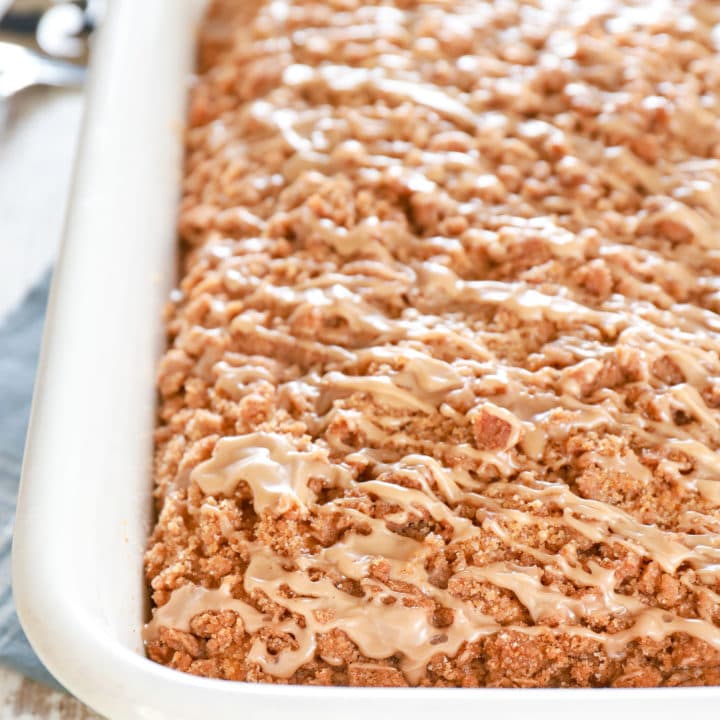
{"type": "Point", "coordinates": [20, 335]}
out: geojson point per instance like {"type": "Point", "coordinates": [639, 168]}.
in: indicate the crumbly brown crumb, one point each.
{"type": "Point", "coordinates": [449, 290]}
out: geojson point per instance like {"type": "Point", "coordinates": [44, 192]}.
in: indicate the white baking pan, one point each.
{"type": "Point", "coordinates": [85, 504]}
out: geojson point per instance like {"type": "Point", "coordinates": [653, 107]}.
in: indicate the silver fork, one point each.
{"type": "Point", "coordinates": [21, 68]}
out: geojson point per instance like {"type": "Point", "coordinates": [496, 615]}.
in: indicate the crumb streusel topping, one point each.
{"type": "Point", "coordinates": [441, 403]}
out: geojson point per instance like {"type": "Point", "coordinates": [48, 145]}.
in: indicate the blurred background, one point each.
{"type": "Point", "coordinates": [38, 131]}
{"type": "Point", "coordinates": [44, 48]}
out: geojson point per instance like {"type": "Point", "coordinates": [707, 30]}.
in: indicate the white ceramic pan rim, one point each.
{"type": "Point", "coordinates": [84, 507]}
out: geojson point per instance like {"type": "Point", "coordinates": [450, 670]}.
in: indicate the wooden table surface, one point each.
{"type": "Point", "coordinates": [23, 699]}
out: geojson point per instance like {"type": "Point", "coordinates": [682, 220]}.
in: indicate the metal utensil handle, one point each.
{"type": "Point", "coordinates": [59, 73]}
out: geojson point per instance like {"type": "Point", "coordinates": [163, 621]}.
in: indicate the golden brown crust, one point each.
{"type": "Point", "coordinates": [543, 230]}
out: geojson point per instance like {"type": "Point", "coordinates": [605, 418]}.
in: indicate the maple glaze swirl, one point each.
{"type": "Point", "coordinates": [442, 380]}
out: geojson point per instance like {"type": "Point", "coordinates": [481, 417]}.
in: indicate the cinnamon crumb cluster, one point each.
{"type": "Point", "coordinates": [441, 399]}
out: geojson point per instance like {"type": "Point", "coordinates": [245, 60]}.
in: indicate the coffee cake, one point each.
{"type": "Point", "coordinates": [440, 400]}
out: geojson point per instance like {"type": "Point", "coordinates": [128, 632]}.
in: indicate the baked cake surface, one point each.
{"type": "Point", "coordinates": [440, 404]}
